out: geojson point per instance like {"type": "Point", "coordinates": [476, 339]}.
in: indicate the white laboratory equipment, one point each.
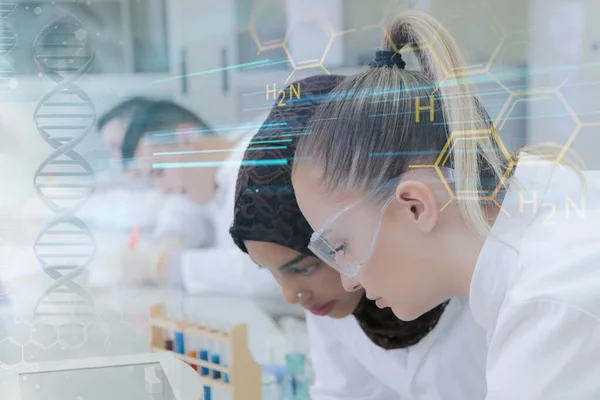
{"type": "Point", "coordinates": [156, 376]}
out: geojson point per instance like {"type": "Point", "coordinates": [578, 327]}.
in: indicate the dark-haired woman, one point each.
{"type": "Point", "coordinates": [358, 350]}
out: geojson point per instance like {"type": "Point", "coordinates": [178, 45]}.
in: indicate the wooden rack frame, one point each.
{"type": "Point", "coordinates": [245, 376]}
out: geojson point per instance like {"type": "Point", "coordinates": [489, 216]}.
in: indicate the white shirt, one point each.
{"type": "Point", "coordinates": [539, 301]}
{"type": "Point", "coordinates": [182, 217]}
{"type": "Point", "coordinates": [447, 364]}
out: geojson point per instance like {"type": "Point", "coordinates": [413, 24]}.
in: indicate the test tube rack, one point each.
{"type": "Point", "coordinates": [243, 372]}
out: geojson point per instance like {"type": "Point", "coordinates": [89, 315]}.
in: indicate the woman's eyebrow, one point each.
{"type": "Point", "coordinates": [294, 261]}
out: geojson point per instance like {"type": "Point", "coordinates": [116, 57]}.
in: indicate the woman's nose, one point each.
{"type": "Point", "coordinates": [293, 294]}
{"type": "Point", "coordinates": [350, 284]}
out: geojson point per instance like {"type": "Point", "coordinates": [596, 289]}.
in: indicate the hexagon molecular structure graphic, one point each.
{"type": "Point", "coordinates": [370, 31]}
{"type": "Point", "coordinates": [505, 70]}
{"type": "Point", "coordinates": [585, 145]}
{"type": "Point", "coordinates": [44, 334]}
{"type": "Point", "coordinates": [492, 94]}
{"type": "Point", "coordinates": [33, 352]}
{"type": "Point", "coordinates": [98, 334]}
{"type": "Point", "coordinates": [112, 318]}
{"type": "Point", "coordinates": [443, 161]}
{"type": "Point", "coordinates": [321, 35]}
{"type": "Point", "coordinates": [481, 43]}
{"type": "Point", "coordinates": [517, 76]}
{"type": "Point", "coordinates": [15, 328]}
{"type": "Point", "coordinates": [72, 334]}
{"type": "Point", "coordinates": [11, 353]}
{"type": "Point", "coordinates": [581, 92]}
{"type": "Point", "coordinates": [547, 118]}
{"type": "Point", "coordinates": [268, 25]}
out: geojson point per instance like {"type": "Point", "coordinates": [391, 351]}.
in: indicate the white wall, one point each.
{"type": "Point", "coordinates": [307, 37]}
{"type": "Point", "coordinates": [471, 22]}
{"type": "Point", "coordinates": [565, 51]}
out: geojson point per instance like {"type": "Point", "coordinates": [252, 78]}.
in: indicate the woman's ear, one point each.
{"type": "Point", "coordinates": [419, 203]}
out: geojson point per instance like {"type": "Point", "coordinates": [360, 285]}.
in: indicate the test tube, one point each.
{"type": "Point", "coordinates": [193, 354]}
{"type": "Point", "coordinates": [179, 343]}
{"type": "Point", "coordinates": [203, 354]}
{"type": "Point", "coordinates": [171, 310]}
{"type": "Point", "coordinates": [207, 393]}
{"type": "Point", "coordinates": [220, 350]}
{"type": "Point", "coordinates": [225, 351]}
{"type": "Point", "coordinates": [215, 358]}
{"type": "Point", "coordinates": [178, 335]}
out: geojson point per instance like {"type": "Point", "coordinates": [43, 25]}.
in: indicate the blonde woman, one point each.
{"type": "Point", "coordinates": [531, 272]}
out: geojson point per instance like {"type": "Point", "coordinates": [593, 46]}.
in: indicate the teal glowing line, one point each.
{"type": "Point", "coordinates": [403, 90]}
{"type": "Point", "coordinates": [271, 141]}
{"type": "Point", "coordinates": [226, 128]}
{"type": "Point", "coordinates": [266, 65]}
{"type": "Point", "coordinates": [210, 71]}
{"type": "Point", "coordinates": [253, 93]}
{"type": "Point", "coordinates": [258, 108]}
{"type": "Point", "coordinates": [173, 153]}
{"type": "Point", "coordinates": [213, 164]}
{"type": "Point", "coordinates": [295, 134]}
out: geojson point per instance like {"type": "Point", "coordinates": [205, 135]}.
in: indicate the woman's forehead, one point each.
{"type": "Point", "coordinates": [269, 253]}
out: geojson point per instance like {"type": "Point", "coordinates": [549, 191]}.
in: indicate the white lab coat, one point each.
{"type": "Point", "coordinates": [447, 364]}
{"type": "Point", "coordinates": [123, 208]}
{"type": "Point", "coordinates": [536, 289]}
{"type": "Point", "coordinates": [224, 267]}
{"type": "Point", "coordinates": [188, 221]}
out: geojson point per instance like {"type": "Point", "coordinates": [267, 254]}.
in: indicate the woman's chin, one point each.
{"type": "Point", "coordinates": [339, 311]}
{"type": "Point", "coordinates": [406, 314]}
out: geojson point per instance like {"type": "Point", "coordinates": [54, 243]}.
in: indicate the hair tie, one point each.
{"type": "Point", "coordinates": [385, 58]}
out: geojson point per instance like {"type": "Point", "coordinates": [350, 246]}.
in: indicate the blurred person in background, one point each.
{"type": "Point", "coordinates": [112, 127]}
{"type": "Point", "coordinates": [122, 200]}
{"type": "Point", "coordinates": [196, 169]}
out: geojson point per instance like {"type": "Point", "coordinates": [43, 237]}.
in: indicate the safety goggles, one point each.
{"type": "Point", "coordinates": [346, 240]}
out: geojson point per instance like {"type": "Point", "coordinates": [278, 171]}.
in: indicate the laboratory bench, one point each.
{"type": "Point", "coordinates": [119, 326]}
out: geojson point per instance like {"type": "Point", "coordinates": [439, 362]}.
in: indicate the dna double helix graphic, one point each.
{"type": "Point", "coordinates": [65, 180]}
{"type": "Point", "coordinates": [8, 42]}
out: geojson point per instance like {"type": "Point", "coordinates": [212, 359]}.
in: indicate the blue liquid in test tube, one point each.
{"type": "Point", "coordinates": [179, 344]}
{"type": "Point", "coordinates": [203, 355]}
{"type": "Point", "coordinates": [216, 359]}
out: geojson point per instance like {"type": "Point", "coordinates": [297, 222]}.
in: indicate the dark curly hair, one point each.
{"type": "Point", "coordinates": [266, 209]}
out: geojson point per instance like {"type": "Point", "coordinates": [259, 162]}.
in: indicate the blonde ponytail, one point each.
{"type": "Point", "coordinates": [367, 134]}
{"type": "Point", "coordinates": [440, 60]}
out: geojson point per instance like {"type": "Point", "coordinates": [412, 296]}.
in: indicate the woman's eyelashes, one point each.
{"type": "Point", "coordinates": [338, 249]}
{"type": "Point", "coordinates": [304, 270]}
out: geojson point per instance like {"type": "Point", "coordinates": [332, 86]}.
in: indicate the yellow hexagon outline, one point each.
{"type": "Point", "coordinates": [516, 97]}
{"type": "Point", "coordinates": [466, 70]}
{"type": "Point", "coordinates": [446, 151]}
{"type": "Point", "coordinates": [332, 35]}
{"type": "Point", "coordinates": [254, 33]}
